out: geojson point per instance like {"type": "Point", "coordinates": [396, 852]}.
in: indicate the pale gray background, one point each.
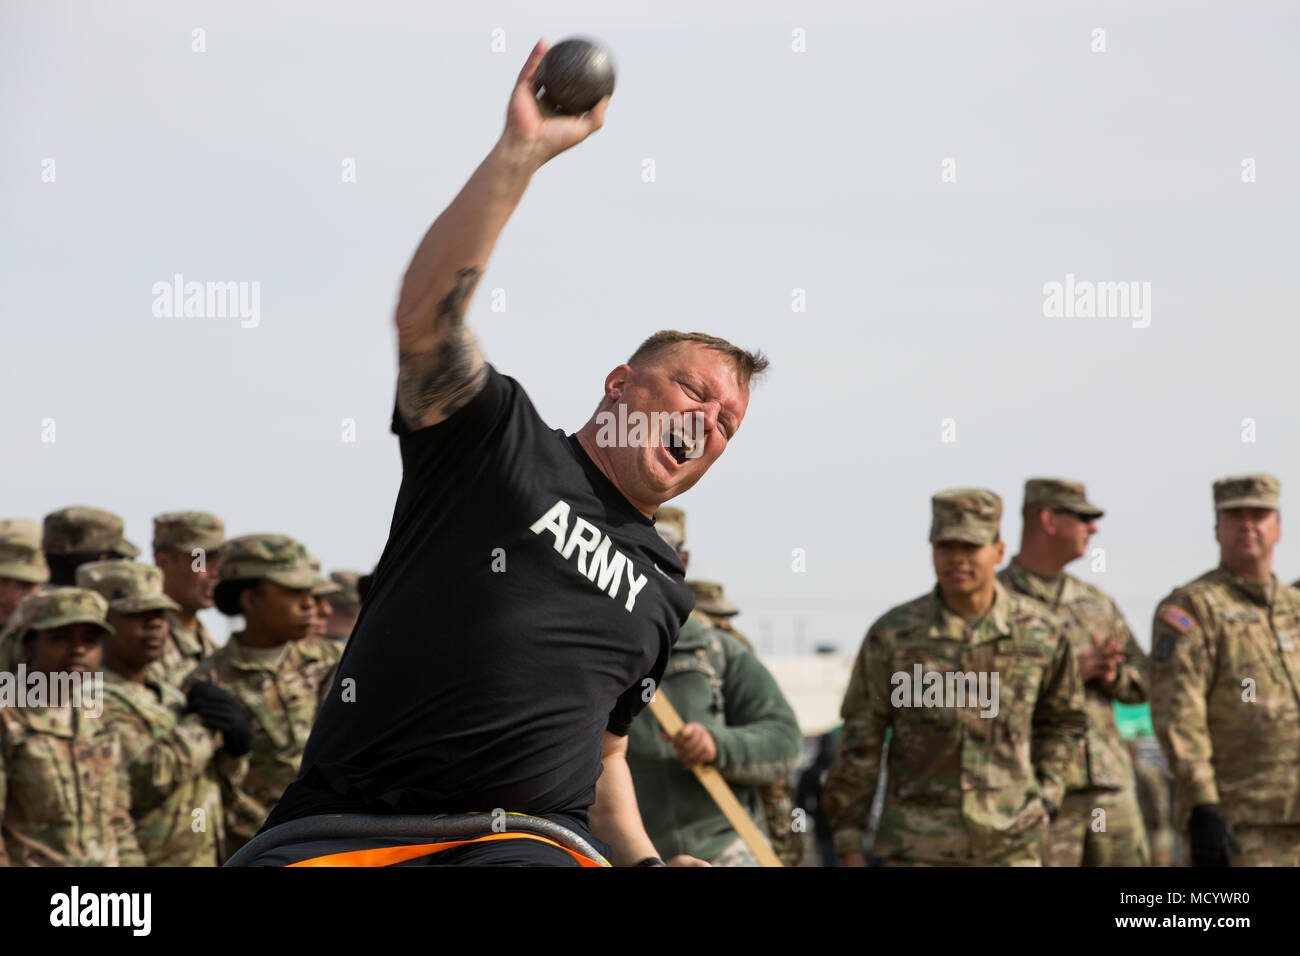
{"type": "Point", "coordinates": [776, 170]}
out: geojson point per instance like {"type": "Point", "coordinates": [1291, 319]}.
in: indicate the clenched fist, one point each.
{"type": "Point", "coordinates": [694, 745]}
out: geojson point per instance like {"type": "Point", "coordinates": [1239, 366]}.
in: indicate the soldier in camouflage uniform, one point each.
{"type": "Point", "coordinates": [80, 534]}
{"type": "Point", "coordinates": [22, 564]}
{"type": "Point", "coordinates": [64, 795]}
{"type": "Point", "coordinates": [970, 781]}
{"type": "Point", "coordinates": [1225, 690]}
{"type": "Point", "coordinates": [187, 548]}
{"type": "Point", "coordinates": [322, 597]}
{"type": "Point", "coordinates": [736, 718]}
{"type": "Point", "coordinates": [713, 604]}
{"type": "Point", "coordinates": [345, 607]}
{"type": "Point", "coordinates": [276, 669]}
{"type": "Point", "coordinates": [71, 537]}
{"type": "Point", "coordinates": [169, 755]}
{"type": "Point", "coordinates": [1058, 522]}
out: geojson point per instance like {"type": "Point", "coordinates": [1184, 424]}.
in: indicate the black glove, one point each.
{"type": "Point", "coordinates": [1211, 837]}
{"type": "Point", "coordinates": [221, 710]}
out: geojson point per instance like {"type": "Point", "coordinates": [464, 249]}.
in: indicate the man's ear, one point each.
{"type": "Point", "coordinates": [617, 380]}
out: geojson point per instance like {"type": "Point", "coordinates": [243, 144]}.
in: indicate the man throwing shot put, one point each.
{"type": "Point", "coordinates": [524, 607]}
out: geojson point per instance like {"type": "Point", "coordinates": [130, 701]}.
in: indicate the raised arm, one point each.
{"type": "Point", "coordinates": [440, 366]}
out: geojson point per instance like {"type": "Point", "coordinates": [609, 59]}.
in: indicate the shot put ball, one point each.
{"type": "Point", "coordinates": [574, 75]}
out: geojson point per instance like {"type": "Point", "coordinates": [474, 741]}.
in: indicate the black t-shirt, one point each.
{"type": "Point", "coordinates": [519, 606]}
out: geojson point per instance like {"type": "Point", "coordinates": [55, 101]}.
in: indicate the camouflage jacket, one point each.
{"type": "Point", "coordinates": [283, 699]}
{"type": "Point", "coordinates": [1225, 696]}
{"type": "Point", "coordinates": [184, 648]}
{"type": "Point", "coordinates": [64, 795]}
{"type": "Point", "coordinates": [713, 680]}
{"type": "Point", "coordinates": [170, 761]}
{"type": "Point", "coordinates": [1094, 614]}
{"type": "Point", "coordinates": [961, 787]}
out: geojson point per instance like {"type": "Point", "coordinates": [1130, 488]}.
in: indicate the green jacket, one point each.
{"type": "Point", "coordinates": [711, 679]}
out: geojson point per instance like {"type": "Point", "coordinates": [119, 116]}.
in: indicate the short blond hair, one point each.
{"type": "Point", "coordinates": [748, 364]}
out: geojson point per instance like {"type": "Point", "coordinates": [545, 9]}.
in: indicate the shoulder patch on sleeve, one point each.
{"type": "Point", "coordinates": [1178, 619]}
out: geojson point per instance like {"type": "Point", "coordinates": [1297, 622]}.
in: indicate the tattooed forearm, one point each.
{"type": "Point", "coordinates": [451, 310]}
{"type": "Point", "coordinates": [434, 383]}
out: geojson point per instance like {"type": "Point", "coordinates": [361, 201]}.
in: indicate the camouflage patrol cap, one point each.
{"type": "Point", "coordinates": [59, 606]}
{"type": "Point", "coordinates": [324, 587]}
{"type": "Point", "coordinates": [80, 530]}
{"type": "Point", "coordinates": [1059, 493]}
{"type": "Point", "coordinates": [128, 586]}
{"type": "Point", "coordinates": [1247, 491]}
{"type": "Point", "coordinates": [275, 557]}
{"type": "Point", "coordinates": [21, 558]}
{"type": "Point", "coordinates": [348, 594]}
{"type": "Point", "coordinates": [187, 530]}
{"type": "Point", "coordinates": [670, 522]}
{"type": "Point", "coordinates": [965, 514]}
{"type": "Point", "coordinates": [710, 599]}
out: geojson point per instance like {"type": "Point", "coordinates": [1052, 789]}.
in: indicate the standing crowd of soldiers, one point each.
{"type": "Point", "coordinates": [983, 709]}
{"type": "Point", "coordinates": [187, 746]}
{"type": "Point", "coordinates": [193, 743]}
{"type": "Point", "coordinates": [1036, 772]}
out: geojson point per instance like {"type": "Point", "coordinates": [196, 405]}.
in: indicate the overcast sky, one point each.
{"type": "Point", "coordinates": [919, 170]}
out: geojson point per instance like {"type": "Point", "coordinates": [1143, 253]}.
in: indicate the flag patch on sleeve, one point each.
{"type": "Point", "coordinates": [1178, 619]}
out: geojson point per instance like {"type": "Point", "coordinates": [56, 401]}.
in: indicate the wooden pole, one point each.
{"type": "Point", "coordinates": [708, 775]}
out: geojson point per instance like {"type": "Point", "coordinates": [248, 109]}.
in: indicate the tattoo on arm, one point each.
{"type": "Point", "coordinates": [433, 384]}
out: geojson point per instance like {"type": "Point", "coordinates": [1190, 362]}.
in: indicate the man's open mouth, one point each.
{"type": "Point", "coordinates": [677, 444]}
